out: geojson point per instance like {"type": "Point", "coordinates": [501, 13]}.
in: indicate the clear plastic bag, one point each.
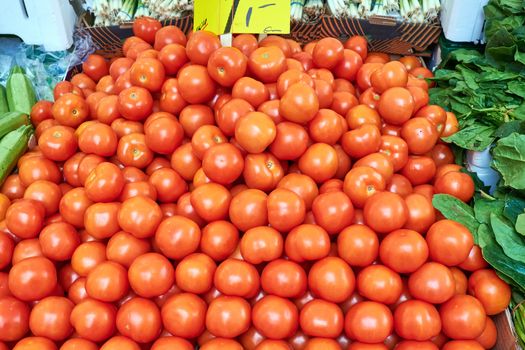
{"type": "Point", "coordinates": [44, 68]}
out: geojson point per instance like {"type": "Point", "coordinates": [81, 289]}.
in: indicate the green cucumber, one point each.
{"type": "Point", "coordinates": [20, 94]}
{"type": "Point", "coordinates": [12, 147]}
{"type": "Point", "coordinates": [3, 100]}
{"type": "Point", "coordinates": [11, 121]}
{"type": "Point", "coordinates": [17, 69]}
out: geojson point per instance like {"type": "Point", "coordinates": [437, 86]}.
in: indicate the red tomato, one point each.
{"type": "Point", "coordinates": [463, 317]}
{"type": "Point", "coordinates": [369, 322]}
{"type": "Point", "coordinates": [417, 320]}
{"type": "Point", "coordinates": [146, 28]}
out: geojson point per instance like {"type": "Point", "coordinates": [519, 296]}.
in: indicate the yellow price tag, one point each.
{"type": "Point", "coordinates": [242, 16]}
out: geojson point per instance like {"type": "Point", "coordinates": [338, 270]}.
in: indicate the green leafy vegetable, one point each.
{"type": "Point", "coordinates": [510, 241]}
{"type": "Point", "coordinates": [454, 209]}
{"type": "Point", "coordinates": [520, 224]}
{"type": "Point", "coordinates": [483, 208]}
{"type": "Point", "coordinates": [509, 160]}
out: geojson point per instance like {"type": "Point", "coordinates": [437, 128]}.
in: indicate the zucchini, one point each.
{"type": "Point", "coordinates": [3, 100]}
{"type": "Point", "coordinates": [12, 147]}
{"type": "Point", "coordinates": [20, 93]}
{"type": "Point", "coordinates": [11, 121]}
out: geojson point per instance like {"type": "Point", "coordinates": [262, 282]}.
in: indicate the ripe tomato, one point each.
{"type": "Point", "coordinates": [251, 90]}
{"type": "Point", "coordinates": [320, 162]}
{"type": "Point", "coordinates": [139, 216]}
{"type": "Point", "coordinates": [327, 53]}
{"type": "Point", "coordinates": [78, 343]}
{"type": "Point", "coordinates": [369, 322]}
{"type": "Point", "coordinates": [70, 110]}
{"type": "Point", "coordinates": [226, 65]}
{"type": "Point", "coordinates": [379, 162]}
{"type": "Point", "coordinates": [211, 201]}
{"type": "Point", "coordinates": [284, 278]}
{"type": "Point", "coordinates": [299, 103]}
{"type": "Point", "coordinates": [221, 344]}
{"type": "Point", "coordinates": [451, 125]}
{"type": "Point", "coordinates": [433, 283]}
{"type": "Point", "coordinates": [267, 63]}
{"type": "Point", "coordinates": [275, 317]}
{"type": "Point", "coordinates": [177, 236]}
{"type": "Point", "coordinates": [228, 316]}
{"type": "Point", "coordinates": [379, 283]}
{"type": "Point", "coordinates": [307, 242]}
{"type": "Point", "coordinates": [25, 218]}
{"type": "Point", "coordinates": [123, 248]}
{"type": "Point", "coordinates": [58, 143]}
{"type": "Point", "coordinates": [201, 45]}
{"type": "Point", "coordinates": [248, 209]}
{"type": "Point", "coordinates": [358, 44]}
{"type": "Point", "coordinates": [41, 111]}
{"type": "Point", "coordinates": [490, 290]}
{"type": "Point", "coordinates": [183, 315]}
{"type": "Point", "coordinates": [135, 103]}
{"type": "Point", "coordinates": [396, 105]}
{"type": "Point", "coordinates": [449, 242]}
{"type": "Point", "coordinates": [290, 142]}
{"type": "Point", "coordinates": [417, 320]}
{"type": "Point", "coordinates": [195, 84]}
{"type": "Point", "coordinates": [333, 211]}
{"type": "Point", "coordinates": [396, 149]}
{"type": "Point", "coordinates": [385, 212]}
{"type": "Point", "coordinates": [255, 131]}
{"type": "Point", "coordinates": [246, 43]}
{"type": "Point", "coordinates": [331, 279]}
{"type": "Point", "coordinates": [457, 184]}
{"type": "Point", "coordinates": [348, 66]}
{"type": "Point", "coordinates": [462, 345]}
{"type": "Point", "coordinates": [146, 28]}
{"type": "Point", "coordinates": [58, 241]}
{"type": "Point", "coordinates": [148, 73]}
{"type": "Point", "coordinates": [95, 66]}
{"type": "Point", "coordinates": [358, 245]}
{"type": "Point", "coordinates": [139, 319]}
{"type": "Point", "coordinates": [419, 170]}
{"type": "Point", "coordinates": [421, 213]}
{"type": "Point", "coordinates": [15, 319]}
{"type": "Point", "coordinates": [238, 278]}
{"type": "Point", "coordinates": [362, 141]}
{"type": "Point", "coordinates": [302, 185]}
{"type": "Point", "coordinates": [327, 127]}
{"type": "Point", "coordinates": [420, 135]}
{"type": "Point", "coordinates": [442, 154]}
{"type": "Point", "coordinates": [30, 343]}
{"type": "Point", "coordinates": [219, 239]}
{"type": "Point", "coordinates": [261, 244]}
{"type": "Point", "coordinates": [463, 317]}
{"type": "Point", "coordinates": [403, 250]}
{"type": "Point", "coordinates": [320, 318]}
{"type": "Point", "coordinates": [362, 183]}
{"type": "Point", "coordinates": [342, 101]}
{"type": "Point", "coordinates": [94, 320]}
{"type": "Point", "coordinates": [391, 74]}
{"type": "Point", "coordinates": [170, 342]}
{"type": "Point", "coordinates": [169, 35]}
{"type": "Point", "coordinates": [285, 209]}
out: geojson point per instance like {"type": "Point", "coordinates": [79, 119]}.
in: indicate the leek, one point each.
{"type": "Point", "coordinates": [296, 10]}
{"type": "Point", "coordinates": [313, 9]}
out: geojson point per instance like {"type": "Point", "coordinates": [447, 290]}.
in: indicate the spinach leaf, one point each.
{"type": "Point", "coordinates": [484, 207]}
{"type": "Point", "coordinates": [508, 128]}
{"type": "Point", "coordinates": [514, 206]}
{"type": "Point", "coordinates": [454, 209]}
{"type": "Point", "coordinates": [520, 224]}
{"type": "Point", "coordinates": [495, 256]}
{"type": "Point", "coordinates": [476, 137]}
{"type": "Point", "coordinates": [484, 236]}
{"type": "Point", "coordinates": [509, 160]}
{"type": "Point", "coordinates": [510, 241]}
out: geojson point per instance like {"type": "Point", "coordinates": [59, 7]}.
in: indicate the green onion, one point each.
{"type": "Point", "coordinates": [296, 10]}
{"type": "Point", "coordinates": [313, 9]}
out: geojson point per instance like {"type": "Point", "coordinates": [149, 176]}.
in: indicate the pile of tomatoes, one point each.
{"type": "Point", "coordinates": [260, 196]}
